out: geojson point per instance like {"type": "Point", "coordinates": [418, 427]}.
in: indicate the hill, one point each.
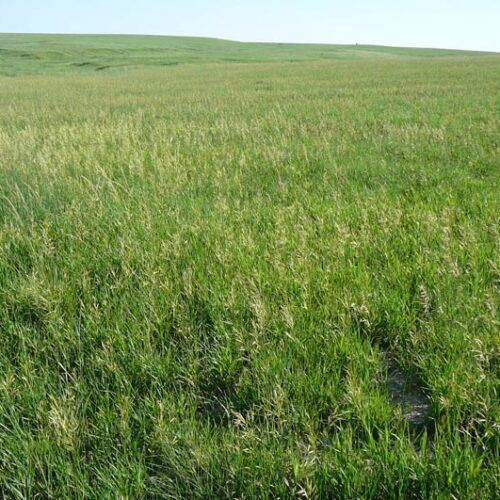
{"type": "Point", "coordinates": [28, 54]}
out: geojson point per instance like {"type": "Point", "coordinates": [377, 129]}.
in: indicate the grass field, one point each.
{"type": "Point", "coordinates": [31, 54]}
{"type": "Point", "coordinates": [247, 270]}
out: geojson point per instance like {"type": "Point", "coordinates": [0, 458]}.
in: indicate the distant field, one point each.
{"type": "Point", "coordinates": [23, 54]}
{"type": "Point", "coordinates": [224, 274]}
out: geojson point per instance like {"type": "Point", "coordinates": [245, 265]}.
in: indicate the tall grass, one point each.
{"type": "Point", "coordinates": [204, 268]}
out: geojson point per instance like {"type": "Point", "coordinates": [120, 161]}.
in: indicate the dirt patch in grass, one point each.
{"type": "Point", "coordinates": [406, 393]}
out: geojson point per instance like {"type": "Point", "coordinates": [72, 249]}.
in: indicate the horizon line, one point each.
{"type": "Point", "coordinates": [248, 41]}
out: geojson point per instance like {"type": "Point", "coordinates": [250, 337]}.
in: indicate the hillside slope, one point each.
{"type": "Point", "coordinates": [30, 54]}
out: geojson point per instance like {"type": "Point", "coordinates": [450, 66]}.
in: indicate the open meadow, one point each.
{"type": "Point", "coordinates": [247, 270]}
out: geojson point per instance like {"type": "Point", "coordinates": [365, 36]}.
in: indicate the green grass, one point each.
{"type": "Point", "coordinates": [31, 54]}
{"type": "Point", "coordinates": [204, 268]}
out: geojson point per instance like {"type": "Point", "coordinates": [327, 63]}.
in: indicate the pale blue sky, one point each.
{"type": "Point", "coordinates": [467, 24]}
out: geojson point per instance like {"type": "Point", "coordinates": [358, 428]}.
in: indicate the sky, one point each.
{"type": "Point", "coordinates": [461, 24]}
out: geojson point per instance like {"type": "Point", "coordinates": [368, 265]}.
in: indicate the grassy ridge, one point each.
{"type": "Point", "coordinates": [21, 54]}
{"type": "Point", "coordinates": [204, 268]}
